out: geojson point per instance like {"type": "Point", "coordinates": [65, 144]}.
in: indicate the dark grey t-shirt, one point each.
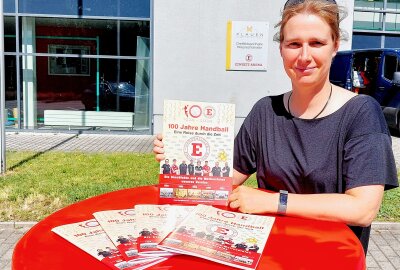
{"type": "Point", "coordinates": [348, 148]}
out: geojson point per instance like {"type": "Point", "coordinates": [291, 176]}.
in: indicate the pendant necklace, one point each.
{"type": "Point", "coordinates": [326, 104]}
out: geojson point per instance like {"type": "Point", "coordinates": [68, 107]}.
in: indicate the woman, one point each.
{"type": "Point", "coordinates": [325, 150]}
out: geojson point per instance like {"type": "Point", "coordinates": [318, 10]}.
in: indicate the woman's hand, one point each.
{"type": "Point", "coordinates": [158, 148]}
{"type": "Point", "coordinates": [253, 201]}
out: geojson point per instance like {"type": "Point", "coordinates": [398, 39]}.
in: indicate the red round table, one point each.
{"type": "Point", "coordinates": [294, 243]}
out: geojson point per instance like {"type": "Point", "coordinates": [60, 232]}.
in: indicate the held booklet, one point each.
{"type": "Point", "coordinates": [198, 143]}
{"type": "Point", "coordinates": [154, 222]}
{"type": "Point", "coordinates": [91, 238]}
{"type": "Point", "coordinates": [230, 238]}
{"type": "Point", "coordinates": [120, 227]}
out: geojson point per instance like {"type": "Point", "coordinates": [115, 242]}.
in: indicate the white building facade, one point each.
{"type": "Point", "coordinates": [190, 53]}
{"type": "Point", "coordinates": [107, 66]}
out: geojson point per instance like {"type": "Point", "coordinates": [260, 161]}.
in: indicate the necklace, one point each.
{"type": "Point", "coordinates": [326, 104]}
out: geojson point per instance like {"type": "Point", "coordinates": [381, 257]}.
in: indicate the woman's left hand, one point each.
{"type": "Point", "coordinates": [253, 201]}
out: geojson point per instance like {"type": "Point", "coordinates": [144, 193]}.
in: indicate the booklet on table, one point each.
{"type": "Point", "coordinates": [154, 222]}
{"type": "Point", "coordinates": [120, 228]}
{"type": "Point", "coordinates": [91, 238]}
{"type": "Point", "coordinates": [230, 238]}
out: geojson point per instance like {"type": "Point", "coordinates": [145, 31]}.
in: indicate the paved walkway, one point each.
{"type": "Point", "coordinates": [384, 248]}
{"type": "Point", "coordinates": [42, 142]}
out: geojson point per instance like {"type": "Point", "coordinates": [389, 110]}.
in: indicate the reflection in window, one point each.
{"type": "Point", "coordinates": [9, 34]}
{"type": "Point", "coordinates": [11, 91]}
{"type": "Point", "coordinates": [368, 20]}
{"type": "Point", "coordinates": [112, 85]}
{"type": "Point", "coordinates": [79, 63]}
{"type": "Point", "coordinates": [392, 22]}
{"type": "Point", "coordinates": [368, 4]}
{"type": "Point", "coordinates": [101, 35]}
{"type": "Point", "coordinates": [69, 66]}
{"type": "Point", "coordinates": [392, 3]}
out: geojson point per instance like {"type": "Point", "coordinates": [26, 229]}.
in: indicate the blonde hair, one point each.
{"type": "Point", "coordinates": [329, 11]}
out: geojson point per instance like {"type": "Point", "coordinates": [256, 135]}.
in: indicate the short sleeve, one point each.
{"type": "Point", "coordinates": [244, 159]}
{"type": "Point", "coordinates": [368, 160]}
{"type": "Point", "coordinates": [368, 156]}
{"type": "Point", "coordinates": [246, 146]}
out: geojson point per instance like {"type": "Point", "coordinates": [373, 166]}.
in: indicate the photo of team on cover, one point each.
{"type": "Point", "coordinates": [224, 242]}
{"type": "Point", "coordinates": [183, 193]}
{"type": "Point", "coordinates": [198, 169]}
{"type": "Point", "coordinates": [221, 239]}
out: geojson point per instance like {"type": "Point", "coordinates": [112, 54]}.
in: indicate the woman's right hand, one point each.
{"type": "Point", "coordinates": [158, 148]}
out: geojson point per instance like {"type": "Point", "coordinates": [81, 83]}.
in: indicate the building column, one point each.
{"type": "Point", "coordinates": [29, 73]}
{"type": "Point", "coordinates": [142, 87]}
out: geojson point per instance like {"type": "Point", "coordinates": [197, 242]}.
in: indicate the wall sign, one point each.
{"type": "Point", "coordinates": [247, 45]}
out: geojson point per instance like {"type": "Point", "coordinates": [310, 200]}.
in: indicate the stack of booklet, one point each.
{"type": "Point", "coordinates": [149, 234]}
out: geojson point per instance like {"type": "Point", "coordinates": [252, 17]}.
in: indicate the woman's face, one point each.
{"type": "Point", "coordinates": [307, 49]}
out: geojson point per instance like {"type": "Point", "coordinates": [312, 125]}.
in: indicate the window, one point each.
{"type": "Point", "coordinates": [121, 8]}
{"type": "Point", "coordinates": [9, 6]}
{"type": "Point", "coordinates": [101, 36]}
{"type": "Point", "coordinates": [364, 41]}
{"type": "Point", "coordinates": [368, 4]}
{"type": "Point", "coordinates": [392, 22]}
{"type": "Point", "coordinates": [81, 55]}
{"type": "Point", "coordinates": [368, 20]}
{"type": "Point", "coordinates": [374, 23]}
{"type": "Point", "coordinates": [390, 66]}
{"type": "Point", "coordinates": [392, 41]}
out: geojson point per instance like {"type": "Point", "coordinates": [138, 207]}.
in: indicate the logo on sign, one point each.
{"type": "Point", "coordinates": [250, 31]}
{"type": "Point", "coordinates": [249, 58]}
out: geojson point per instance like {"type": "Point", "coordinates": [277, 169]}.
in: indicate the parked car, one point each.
{"type": "Point", "coordinates": [374, 72]}
{"type": "Point", "coordinates": [113, 96]}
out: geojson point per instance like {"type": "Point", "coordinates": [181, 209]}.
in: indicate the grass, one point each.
{"type": "Point", "coordinates": [390, 209]}
{"type": "Point", "coordinates": [37, 184]}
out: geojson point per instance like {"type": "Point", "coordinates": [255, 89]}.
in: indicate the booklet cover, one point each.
{"type": "Point", "coordinates": [230, 238]}
{"type": "Point", "coordinates": [120, 228]}
{"type": "Point", "coordinates": [198, 142]}
{"type": "Point", "coordinates": [91, 238]}
{"type": "Point", "coordinates": [154, 222]}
